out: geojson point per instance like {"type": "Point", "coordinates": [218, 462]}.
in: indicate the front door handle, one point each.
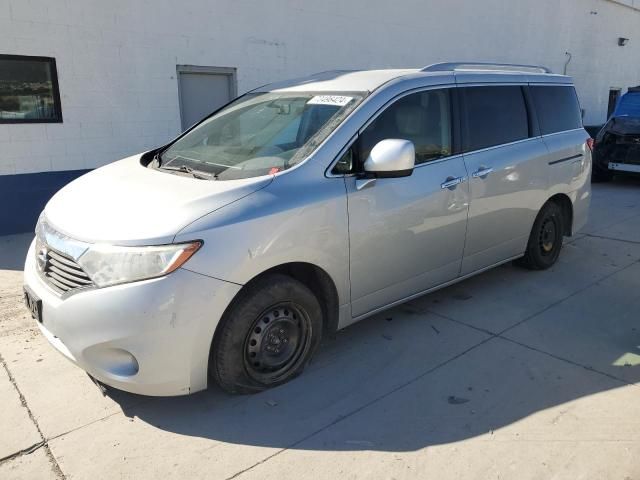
{"type": "Point", "coordinates": [482, 172]}
{"type": "Point", "coordinates": [451, 182]}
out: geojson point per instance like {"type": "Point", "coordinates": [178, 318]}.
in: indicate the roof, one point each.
{"type": "Point", "coordinates": [369, 80]}
{"type": "Point", "coordinates": [339, 80]}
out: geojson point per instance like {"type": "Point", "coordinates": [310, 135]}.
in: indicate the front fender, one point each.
{"type": "Point", "coordinates": [291, 220]}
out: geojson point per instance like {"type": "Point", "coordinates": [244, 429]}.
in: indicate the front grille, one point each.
{"type": "Point", "coordinates": [63, 273]}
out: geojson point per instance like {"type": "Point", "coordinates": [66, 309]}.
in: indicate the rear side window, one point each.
{"type": "Point", "coordinates": [558, 108]}
{"type": "Point", "coordinates": [493, 116]}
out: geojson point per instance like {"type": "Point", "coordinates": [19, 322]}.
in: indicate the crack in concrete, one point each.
{"type": "Point", "coordinates": [633, 242]}
{"type": "Point", "coordinates": [44, 442]}
{"type": "Point", "coordinates": [97, 420]}
{"type": "Point", "coordinates": [571, 362]}
{"type": "Point", "coordinates": [24, 451]}
{"type": "Point", "coordinates": [535, 349]}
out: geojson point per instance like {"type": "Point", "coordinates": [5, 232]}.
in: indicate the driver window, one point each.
{"type": "Point", "coordinates": [423, 118]}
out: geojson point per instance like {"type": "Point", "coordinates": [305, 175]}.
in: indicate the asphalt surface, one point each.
{"type": "Point", "coordinates": [511, 374]}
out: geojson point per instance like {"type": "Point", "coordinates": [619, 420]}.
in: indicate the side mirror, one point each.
{"type": "Point", "coordinates": [391, 158]}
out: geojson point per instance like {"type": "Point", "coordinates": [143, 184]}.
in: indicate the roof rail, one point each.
{"type": "Point", "coordinates": [501, 67]}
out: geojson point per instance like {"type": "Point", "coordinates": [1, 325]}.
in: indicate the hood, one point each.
{"type": "Point", "coordinates": [126, 203]}
{"type": "Point", "coordinates": [623, 125]}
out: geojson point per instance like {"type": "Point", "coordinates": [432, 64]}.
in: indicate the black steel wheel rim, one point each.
{"type": "Point", "coordinates": [277, 343]}
{"type": "Point", "coordinates": [548, 236]}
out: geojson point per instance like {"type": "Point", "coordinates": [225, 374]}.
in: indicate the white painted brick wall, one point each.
{"type": "Point", "coordinates": [117, 59]}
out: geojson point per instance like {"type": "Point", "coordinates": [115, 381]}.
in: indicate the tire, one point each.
{"type": "Point", "coordinates": [545, 240]}
{"type": "Point", "coordinates": [267, 336]}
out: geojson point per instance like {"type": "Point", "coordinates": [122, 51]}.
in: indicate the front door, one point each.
{"type": "Point", "coordinates": [407, 234]}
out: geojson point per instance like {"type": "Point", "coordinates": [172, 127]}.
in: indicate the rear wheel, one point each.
{"type": "Point", "coordinates": [267, 336]}
{"type": "Point", "coordinates": [545, 240]}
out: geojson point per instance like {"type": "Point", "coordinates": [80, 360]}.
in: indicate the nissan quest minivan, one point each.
{"type": "Point", "coordinates": [300, 208]}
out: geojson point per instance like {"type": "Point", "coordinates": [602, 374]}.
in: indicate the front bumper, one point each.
{"type": "Point", "coordinates": [150, 337]}
{"type": "Point", "coordinates": [620, 157]}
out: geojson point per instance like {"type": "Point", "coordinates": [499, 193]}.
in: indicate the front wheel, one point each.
{"type": "Point", "coordinates": [545, 240]}
{"type": "Point", "coordinates": [267, 336]}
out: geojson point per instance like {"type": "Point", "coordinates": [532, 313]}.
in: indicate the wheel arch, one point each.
{"type": "Point", "coordinates": [566, 205]}
{"type": "Point", "coordinates": [315, 279]}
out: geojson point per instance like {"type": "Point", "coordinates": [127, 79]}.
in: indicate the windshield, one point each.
{"type": "Point", "coordinates": [260, 134]}
{"type": "Point", "coordinates": [629, 105]}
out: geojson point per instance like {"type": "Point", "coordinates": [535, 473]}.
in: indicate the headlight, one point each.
{"type": "Point", "coordinates": [109, 265]}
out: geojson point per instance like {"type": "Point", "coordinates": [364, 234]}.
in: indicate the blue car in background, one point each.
{"type": "Point", "coordinates": [617, 145]}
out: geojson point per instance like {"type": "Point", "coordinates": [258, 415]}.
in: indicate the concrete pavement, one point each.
{"type": "Point", "coordinates": [511, 374]}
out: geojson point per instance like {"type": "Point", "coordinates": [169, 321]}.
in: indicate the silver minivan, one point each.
{"type": "Point", "coordinates": [300, 208]}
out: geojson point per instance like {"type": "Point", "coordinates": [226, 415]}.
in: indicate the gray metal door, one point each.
{"type": "Point", "coordinates": [203, 90]}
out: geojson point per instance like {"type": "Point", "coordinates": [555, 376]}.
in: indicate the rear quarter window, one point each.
{"type": "Point", "coordinates": [493, 116]}
{"type": "Point", "coordinates": [557, 107]}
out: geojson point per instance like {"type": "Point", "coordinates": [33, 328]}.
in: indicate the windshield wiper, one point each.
{"type": "Point", "coordinates": [194, 173]}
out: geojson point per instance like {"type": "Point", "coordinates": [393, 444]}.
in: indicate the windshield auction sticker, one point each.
{"type": "Point", "coordinates": [338, 100]}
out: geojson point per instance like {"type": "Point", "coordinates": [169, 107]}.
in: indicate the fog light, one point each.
{"type": "Point", "coordinates": [114, 361]}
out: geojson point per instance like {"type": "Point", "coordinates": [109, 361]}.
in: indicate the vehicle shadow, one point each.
{"type": "Point", "coordinates": [622, 181]}
{"type": "Point", "coordinates": [401, 381]}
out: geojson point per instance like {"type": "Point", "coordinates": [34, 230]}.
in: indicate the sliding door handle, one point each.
{"type": "Point", "coordinates": [452, 182]}
{"type": "Point", "coordinates": [482, 172]}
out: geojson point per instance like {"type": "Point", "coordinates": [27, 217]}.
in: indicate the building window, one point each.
{"type": "Point", "coordinates": [29, 90]}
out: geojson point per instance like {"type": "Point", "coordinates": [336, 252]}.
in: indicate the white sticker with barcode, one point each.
{"type": "Point", "coordinates": [338, 100]}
